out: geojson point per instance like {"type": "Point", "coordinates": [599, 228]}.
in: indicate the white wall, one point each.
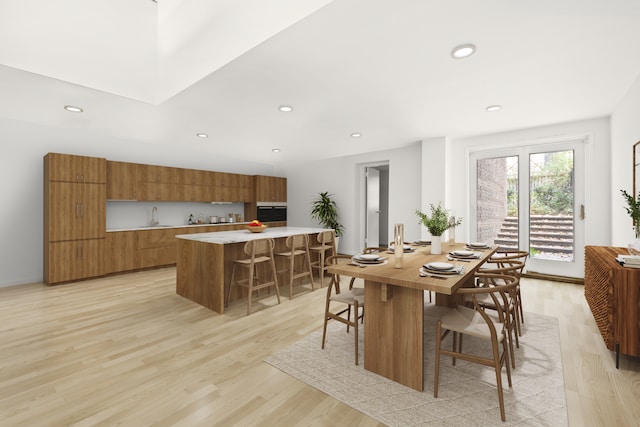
{"type": "Point", "coordinates": [597, 170]}
{"type": "Point", "coordinates": [343, 177]}
{"type": "Point", "coordinates": [21, 183]}
{"type": "Point", "coordinates": [625, 131]}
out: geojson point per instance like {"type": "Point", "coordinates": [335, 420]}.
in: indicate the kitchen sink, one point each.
{"type": "Point", "coordinates": [156, 226]}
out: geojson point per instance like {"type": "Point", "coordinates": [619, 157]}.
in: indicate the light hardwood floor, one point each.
{"type": "Point", "coordinates": [126, 350]}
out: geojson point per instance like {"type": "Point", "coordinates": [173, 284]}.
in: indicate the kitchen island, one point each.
{"type": "Point", "coordinates": [205, 260]}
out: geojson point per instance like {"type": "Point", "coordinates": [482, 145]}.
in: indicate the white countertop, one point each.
{"type": "Point", "coordinates": [239, 236]}
{"type": "Point", "coordinates": [156, 227]}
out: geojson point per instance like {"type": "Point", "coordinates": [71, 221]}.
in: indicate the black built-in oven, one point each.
{"type": "Point", "coordinates": [272, 213]}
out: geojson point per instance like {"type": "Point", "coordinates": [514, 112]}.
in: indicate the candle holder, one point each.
{"type": "Point", "coordinates": [398, 241]}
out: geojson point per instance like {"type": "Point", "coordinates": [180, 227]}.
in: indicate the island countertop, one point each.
{"type": "Point", "coordinates": [241, 236]}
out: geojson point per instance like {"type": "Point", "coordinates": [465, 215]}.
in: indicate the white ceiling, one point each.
{"type": "Point", "coordinates": [379, 67]}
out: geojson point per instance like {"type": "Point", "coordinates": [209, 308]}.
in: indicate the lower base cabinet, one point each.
{"type": "Point", "coordinates": [74, 260]}
{"type": "Point", "coordinates": [613, 294]}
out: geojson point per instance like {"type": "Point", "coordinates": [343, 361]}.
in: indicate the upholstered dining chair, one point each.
{"type": "Point", "coordinates": [259, 252]}
{"type": "Point", "coordinates": [297, 247]}
{"type": "Point", "coordinates": [340, 301]}
{"type": "Point", "coordinates": [502, 258]}
{"type": "Point", "coordinates": [326, 247]}
{"type": "Point", "coordinates": [469, 318]}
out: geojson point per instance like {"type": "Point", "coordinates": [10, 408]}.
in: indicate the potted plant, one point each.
{"type": "Point", "coordinates": [633, 209]}
{"type": "Point", "coordinates": [325, 211]}
{"type": "Point", "coordinates": [437, 223]}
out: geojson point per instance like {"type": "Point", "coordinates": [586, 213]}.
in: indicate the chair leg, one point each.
{"type": "Point", "coordinates": [321, 268]}
{"type": "Point", "coordinates": [307, 258]}
{"type": "Point", "coordinates": [275, 278]}
{"type": "Point", "coordinates": [252, 277]}
{"type": "Point", "coordinates": [355, 327]}
{"type": "Point", "coordinates": [231, 283]}
{"type": "Point", "coordinates": [498, 367]}
{"type": "Point", "coordinates": [437, 361]}
{"type": "Point", "coordinates": [291, 263]}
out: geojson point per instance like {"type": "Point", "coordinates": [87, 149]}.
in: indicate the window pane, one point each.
{"type": "Point", "coordinates": [497, 201]}
{"type": "Point", "coordinates": [551, 201]}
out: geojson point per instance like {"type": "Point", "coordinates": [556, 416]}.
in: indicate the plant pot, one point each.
{"type": "Point", "coordinates": [436, 245]}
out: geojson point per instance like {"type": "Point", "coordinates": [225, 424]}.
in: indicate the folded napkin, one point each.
{"type": "Point", "coordinates": [629, 260]}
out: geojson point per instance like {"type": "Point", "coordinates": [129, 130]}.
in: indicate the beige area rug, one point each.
{"type": "Point", "coordinates": [467, 391]}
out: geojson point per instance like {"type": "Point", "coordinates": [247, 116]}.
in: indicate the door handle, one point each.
{"type": "Point", "coordinates": [582, 212]}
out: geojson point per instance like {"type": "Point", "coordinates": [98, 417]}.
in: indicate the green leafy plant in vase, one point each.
{"type": "Point", "coordinates": [437, 223]}
{"type": "Point", "coordinates": [633, 209]}
{"type": "Point", "coordinates": [325, 211]}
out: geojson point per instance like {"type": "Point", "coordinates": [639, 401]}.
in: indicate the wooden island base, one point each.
{"type": "Point", "coordinates": [205, 260]}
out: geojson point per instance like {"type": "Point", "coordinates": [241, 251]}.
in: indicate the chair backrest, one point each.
{"type": "Point", "coordinates": [259, 247]}
{"type": "Point", "coordinates": [327, 237]}
{"type": "Point", "coordinates": [335, 279]}
{"type": "Point", "coordinates": [506, 256]}
{"type": "Point", "coordinates": [500, 287]}
{"type": "Point", "coordinates": [297, 241]}
{"type": "Point", "coordinates": [373, 250]}
{"type": "Point", "coordinates": [510, 267]}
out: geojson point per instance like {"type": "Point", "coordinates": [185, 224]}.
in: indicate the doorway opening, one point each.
{"type": "Point", "coordinates": [532, 198]}
{"type": "Point", "coordinates": [376, 205]}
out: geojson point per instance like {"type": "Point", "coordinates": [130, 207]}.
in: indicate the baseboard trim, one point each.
{"type": "Point", "coordinates": [563, 279]}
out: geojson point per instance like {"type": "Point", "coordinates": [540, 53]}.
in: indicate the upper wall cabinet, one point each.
{"type": "Point", "coordinates": [69, 168]}
{"type": "Point", "coordinates": [156, 183]}
{"type": "Point", "coordinates": [133, 181]}
{"type": "Point", "coordinates": [121, 181]}
{"type": "Point", "coordinates": [270, 189]}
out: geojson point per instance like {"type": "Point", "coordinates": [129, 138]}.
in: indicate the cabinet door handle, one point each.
{"type": "Point", "coordinates": [582, 212]}
{"type": "Point", "coordinates": [82, 210]}
{"type": "Point", "coordinates": [77, 210]}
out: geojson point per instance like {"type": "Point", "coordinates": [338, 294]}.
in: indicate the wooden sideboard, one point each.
{"type": "Point", "coordinates": [613, 294]}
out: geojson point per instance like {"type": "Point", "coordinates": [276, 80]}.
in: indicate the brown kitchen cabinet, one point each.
{"type": "Point", "coordinates": [71, 168]}
{"type": "Point", "coordinates": [74, 190]}
{"type": "Point", "coordinates": [123, 254]}
{"type": "Point", "coordinates": [157, 247]}
{"type": "Point", "coordinates": [75, 260]}
{"type": "Point", "coordinates": [270, 188]}
{"type": "Point", "coordinates": [613, 294]}
{"type": "Point", "coordinates": [156, 183]}
{"type": "Point", "coordinates": [121, 181]}
{"type": "Point", "coordinates": [75, 211]}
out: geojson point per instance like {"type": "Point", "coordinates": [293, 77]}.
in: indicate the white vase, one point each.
{"type": "Point", "coordinates": [634, 247]}
{"type": "Point", "coordinates": [436, 245]}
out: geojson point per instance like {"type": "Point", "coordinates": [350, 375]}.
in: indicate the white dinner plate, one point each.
{"type": "Point", "coordinates": [439, 266]}
{"type": "Point", "coordinates": [463, 253]}
{"type": "Point", "coordinates": [477, 245]}
{"type": "Point", "coordinates": [368, 257]}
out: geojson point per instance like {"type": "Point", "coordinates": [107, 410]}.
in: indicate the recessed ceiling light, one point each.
{"type": "Point", "coordinates": [286, 108]}
{"type": "Point", "coordinates": [202, 135]}
{"type": "Point", "coordinates": [275, 150]}
{"type": "Point", "coordinates": [492, 108]}
{"type": "Point", "coordinates": [463, 51]}
{"type": "Point", "coordinates": [73, 109]}
{"type": "Point", "coordinates": [356, 135]}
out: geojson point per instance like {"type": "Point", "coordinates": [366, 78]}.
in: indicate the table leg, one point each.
{"type": "Point", "coordinates": [394, 333]}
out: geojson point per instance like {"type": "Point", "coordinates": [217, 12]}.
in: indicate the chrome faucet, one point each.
{"type": "Point", "coordinates": [154, 220]}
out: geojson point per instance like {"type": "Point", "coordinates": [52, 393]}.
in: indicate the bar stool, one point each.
{"type": "Point", "coordinates": [326, 248]}
{"type": "Point", "coordinates": [259, 251]}
{"type": "Point", "coordinates": [298, 246]}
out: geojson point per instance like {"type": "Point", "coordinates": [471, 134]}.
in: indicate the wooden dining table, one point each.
{"type": "Point", "coordinates": [394, 308]}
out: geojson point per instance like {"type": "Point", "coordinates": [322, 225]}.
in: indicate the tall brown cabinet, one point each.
{"type": "Point", "coordinates": [74, 217]}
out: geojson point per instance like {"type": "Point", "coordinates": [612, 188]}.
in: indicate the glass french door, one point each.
{"type": "Point", "coordinates": [532, 198]}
